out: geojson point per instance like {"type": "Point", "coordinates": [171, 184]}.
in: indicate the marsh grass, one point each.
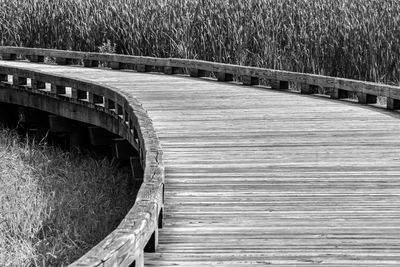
{"type": "Point", "coordinates": [346, 38]}
{"type": "Point", "coordinates": [54, 205]}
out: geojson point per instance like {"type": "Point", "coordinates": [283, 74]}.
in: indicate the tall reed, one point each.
{"type": "Point", "coordinates": [347, 38]}
{"type": "Point", "coordinates": [54, 205]}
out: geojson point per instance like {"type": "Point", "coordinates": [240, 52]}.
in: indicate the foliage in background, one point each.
{"type": "Point", "coordinates": [54, 205]}
{"type": "Point", "coordinates": [347, 38]}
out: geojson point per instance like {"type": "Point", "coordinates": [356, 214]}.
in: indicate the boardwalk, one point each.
{"type": "Point", "coordinates": [257, 177]}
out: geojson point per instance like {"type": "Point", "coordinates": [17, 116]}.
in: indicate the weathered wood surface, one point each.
{"type": "Point", "coordinates": [258, 177]}
{"type": "Point", "coordinates": [278, 79]}
{"type": "Point", "coordinates": [123, 116]}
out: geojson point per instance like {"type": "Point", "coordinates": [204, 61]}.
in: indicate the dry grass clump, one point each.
{"type": "Point", "coordinates": [347, 38]}
{"type": "Point", "coordinates": [54, 205]}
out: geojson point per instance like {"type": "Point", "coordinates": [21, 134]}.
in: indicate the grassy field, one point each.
{"type": "Point", "coordinates": [348, 38]}
{"type": "Point", "coordinates": [54, 205]}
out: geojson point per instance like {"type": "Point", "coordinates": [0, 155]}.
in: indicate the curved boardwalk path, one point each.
{"type": "Point", "coordinates": [257, 177]}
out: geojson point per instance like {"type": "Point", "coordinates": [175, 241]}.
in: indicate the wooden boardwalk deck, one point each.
{"type": "Point", "coordinates": [258, 177]}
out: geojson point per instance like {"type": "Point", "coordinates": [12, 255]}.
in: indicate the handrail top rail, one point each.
{"type": "Point", "coordinates": [290, 76]}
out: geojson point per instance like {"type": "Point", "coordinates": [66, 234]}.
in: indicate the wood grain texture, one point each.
{"type": "Point", "coordinates": [224, 72]}
{"type": "Point", "coordinates": [127, 242]}
{"type": "Point", "coordinates": [259, 177]}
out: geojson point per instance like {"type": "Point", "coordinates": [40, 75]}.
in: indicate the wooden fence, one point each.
{"type": "Point", "coordinates": [337, 88]}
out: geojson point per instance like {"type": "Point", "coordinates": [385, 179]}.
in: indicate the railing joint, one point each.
{"type": "Point", "coordinates": [364, 98]}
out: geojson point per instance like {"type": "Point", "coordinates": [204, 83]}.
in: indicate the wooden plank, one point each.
{"type": "Point", "coordinates": [257, 177]}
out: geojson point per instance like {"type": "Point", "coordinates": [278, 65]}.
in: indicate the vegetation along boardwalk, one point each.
{"type": "Point", "coordinates": [255, 176]}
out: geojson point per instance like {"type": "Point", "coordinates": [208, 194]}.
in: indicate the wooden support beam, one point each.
{"type": "Point", "coordinates": [338, 93]}
{"type": "Point", "coordinates": [197, 73]}
{"type": "Point", "coordinates": [249, 80]}
{"type": "Point", "coordinates": [224, 77]}
{"type": "Point", "coordinates": [38, 133]}
{"type": "Point", "coordinates": [123, 151]}
{"type": "Point", "coordinates": [59, 124]}
{"type": "Point", "coordinates": [144, 68]}
{"type": "Point", "coordinates": [6, 56]}
{"type": "Point", "coordinates": [101, 137]}
{"type": "Point", "coordinates": [19, 80]}
{"type": "Point", "coordinates": [392, 104]}
{"type": "Point", "coordinates": [72, 133]}
{"type": "Point", "coordinates": [57, 89]}
{"type": "Point", "coordinates": [366, 98]}
{"type": "Point", "coordinates": [8, 115]}
{"type": "Point", "coordinates": [90, 63]}
{"type": "Point", "coordinates": [137, 171]}
{"type": "Point", "coordinates": [76, 140]}
{"type": "Point", "coordinates": [33, 122]}
{"type": "Point", "coordinates": [32, 116]}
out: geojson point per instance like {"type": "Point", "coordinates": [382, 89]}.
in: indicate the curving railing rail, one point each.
{"type": "Point", "coordinates": [338, 88]}
{"type": "Point", "coordinates": [123, 115]}
{"type": "Point", "coordinates": [127, 242]}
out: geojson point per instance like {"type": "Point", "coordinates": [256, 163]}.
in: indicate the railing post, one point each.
{"type": "Point", "coordinates": [249, 80]}
{"type": "Point", "coordinates": [37, 85]}
{"type": "Point", "coordinates": [95, 99]}
{"type": "Point", "coordinates": [19, 80]}
{"type": "Point", "coordinates": [57, 89]}
{"type": "Point", "coordinates": [35, 58]}
{"type": "Point", "coordinates": [115, 65]}
{"type": "Point", "coordinates": [172, 70]}
{"type": "Point", "coordinates": [109, 104]}
{"type": "Point", "coordinates": [63, 61]}
{"type": "Point", "coordinates": [392, 104]}
{"type": "Point", "coordinates": [144, 68]}
{"type": "Point", "coordinates": [307, 89]}
{"type": "Point", "coordinates": [120, 110]}
{"type": "Point", "coordinates": [338, 93]}
{"type": "Point", "coordinates": [279, 85]}
{"type": "Point", "coordinates": [90, 63]}
{"type": "Point", "coordinates": [224, 77]}
{"type": "Point", "coordinates": [364, 98]}
{"type": "Point", "coordinates": [7, 56]}
{"type": "Point", "coordinates": [3, 78]}
{"type": "Point", "coordinates": [139, 261]}
{"type": "Point", "coordinates": [137, 171]}
{"type": "Point", "coordinates": [197, 73]}
{"type": "Point", "coordinates": [161, 218]}
{"type": "Point", "coordinates": [152, 245]}
{"type": "Point", "coordinates": [78, 94]}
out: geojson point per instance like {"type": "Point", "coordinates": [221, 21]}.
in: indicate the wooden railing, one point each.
{"type": "Point", "coordinates": [337, 88]}
{"type": "Point", "coordinates": [140, 226]}
{"type": "Point", "coordinates": [122, 115]}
